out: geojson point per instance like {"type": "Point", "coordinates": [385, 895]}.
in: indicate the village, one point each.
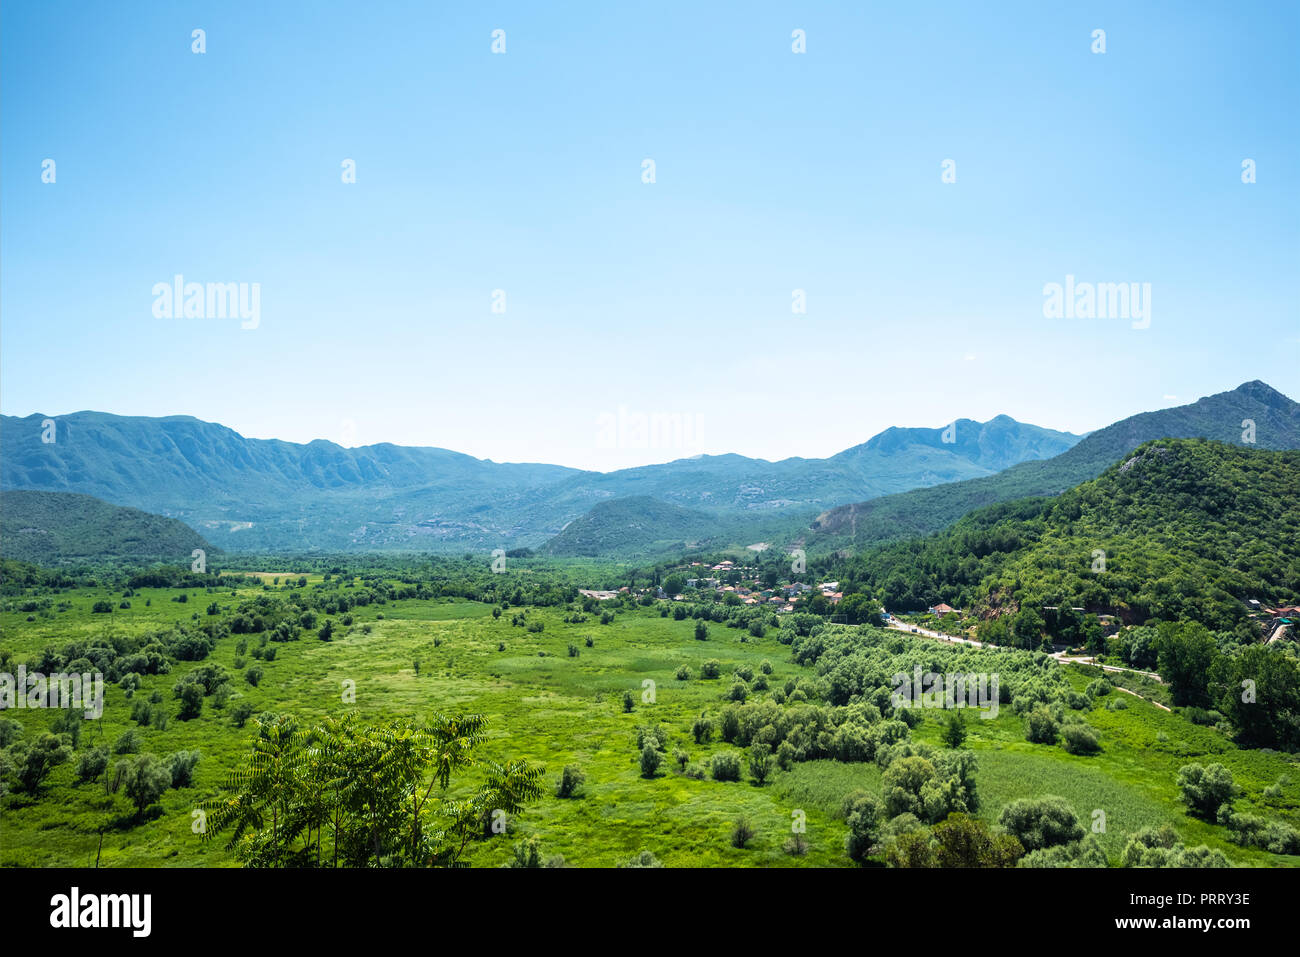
{"type": "Point", "coordinates": [744, 582]}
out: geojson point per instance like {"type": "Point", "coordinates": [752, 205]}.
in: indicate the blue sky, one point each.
{"type": "Point", "coordinates": [522, 172]}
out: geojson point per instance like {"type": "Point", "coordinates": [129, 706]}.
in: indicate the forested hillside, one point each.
{"type": "Point", "coordinates": [48, 528]}
{"type": "Point", "coordinates": [1179, 530]}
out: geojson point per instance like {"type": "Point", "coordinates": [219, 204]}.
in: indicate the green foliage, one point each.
{"type": "Point", "coordinates": [1159, 847]}
{"type": "Point", "coordinates": [1183, 542]}
{"type": "Point", "coordinates": [571, 782]}
{"type": "Point", "coordinates": [146, 779]}
{"type": "Point", "coordinates": [651, 758]}
{"type": "Point", "coordinates": [1040, 727]}
{"type": "Point", "coordinates": [954, 729]}
{"type": "Point", "coordinates": [862, 814]}
{"type": "Point", "coordinates": [725, 766]}
{"type": "Point", "coordinates": [33, 760]}
{"type": "Point", "coordinates": [1041, 823]}
{"type": "Point", "coordinates": [1080, 738]}
{"type": "Point", "coordinates": [344, 793]}
{"type": "Point", "coordinates": [742, 833]}
{"type": "Point", "coordinates": [1205, 789]}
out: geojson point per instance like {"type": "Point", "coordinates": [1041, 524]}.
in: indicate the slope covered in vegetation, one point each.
{"type": "Point", "coordinates": [1181, 530]}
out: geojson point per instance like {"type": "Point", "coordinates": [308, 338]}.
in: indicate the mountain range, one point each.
{"type": "Point", "coordinates": [1253, 415]}
{"type": "Point", "coordinates": [246, 494]}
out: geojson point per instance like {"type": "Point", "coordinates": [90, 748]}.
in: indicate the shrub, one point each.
{"type": "Point", "coordinates": [656, 737]}
{"type": "Point", "coordinates": [181, 765]}
{"type": "Point", "coordinates": [1040, 728]}
{"type": "Point", "coordinates": [254, 675]}
{"type": "Point", "coordinates": [863, 816]}
{"type": "Point", "coordinates": [702, 730]}
{"type": "Point", "coordinates": [683, 673]}
{"type": "Point", "coordinates": [91, 764]}
{"type": "Point", "coordinates": [1081, 739]}
{"type": "Point", "coordinates": [1159, 847]}
{"type": "Point", "coordinates": [760, 762]}
{"type": "Point", "coordinates": [954, 730]}
{"type": "Point", "coordinates": [191, 695]}
{"type": "Point", "coordinates": [145, 781]}
{"type": "Point", "coordinates": [651, 758]}
{"type": "Point", "coordinates": [711, 668]}
{"type": "Point", "coordinates": [571, 782]}
{"type": "Point", "coordinates": [240, 713]}
{"type": "Point", "coordinates": [725, 766]}
{"type": "Point", "coordinates": [628, 702]}
{"type": "Point", "coordinates": [702, 633]}
{"type": "Point", "coordinates": [742, 834]}
{"type": "Point", "coordinates": [1201, 716]}
{"type": "Point", "coordinates": [127, 743]}
{"type": "Point", "coordinates": [1205, 789]}
{"type": "Point", "coordinates": [644, 859]}
{"type": "Point", "coordinates": [1042, 823]}
{"type": "Point", "coordinates": [961, 840]}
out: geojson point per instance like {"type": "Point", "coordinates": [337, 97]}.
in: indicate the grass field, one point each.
{"type": "Point", "coordinates": [554, 709]}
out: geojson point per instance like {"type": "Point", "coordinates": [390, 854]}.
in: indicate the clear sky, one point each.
{"type": "Point", "coordinates": [522, 172]}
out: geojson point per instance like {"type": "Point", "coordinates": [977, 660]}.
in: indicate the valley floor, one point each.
{"type": "Point", "coordinates": [548, 707]}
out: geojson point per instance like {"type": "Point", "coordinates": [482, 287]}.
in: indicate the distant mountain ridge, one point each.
{"type": "Point", "coordinates": [265, 494]}
{"type": "Point", "coordinates": [1221, 417]}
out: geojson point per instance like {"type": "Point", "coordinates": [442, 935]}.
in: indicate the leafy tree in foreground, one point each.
{"type": "Point", "coordinates": [344, 793]}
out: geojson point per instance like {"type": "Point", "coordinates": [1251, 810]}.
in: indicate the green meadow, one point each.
{"type": "Point", "coordinates": [412, 657]}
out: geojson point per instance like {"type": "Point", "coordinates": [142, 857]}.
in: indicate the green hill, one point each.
{"type": "Point", "coordinates": [48, 528]}
{"type": "Point", "coordinates": [919, 512]}
{"type": "Point", "coordinates": [640, 524]}
{"type": "Point", "coordinates": [1188, 529]}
